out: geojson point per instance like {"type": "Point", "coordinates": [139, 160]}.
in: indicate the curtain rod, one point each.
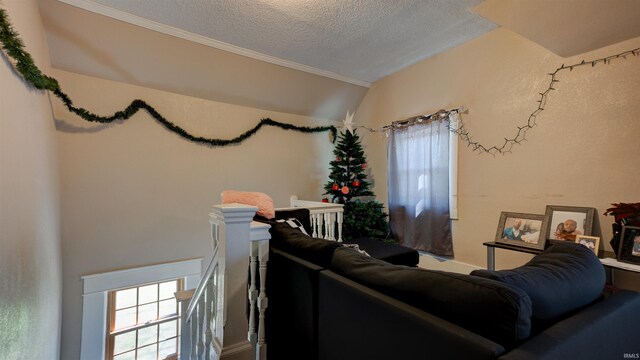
{"type": "Point", "coordinates": [439, 115]}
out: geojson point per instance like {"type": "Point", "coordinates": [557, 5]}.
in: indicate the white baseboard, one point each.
{"type": "Point", "coordinates": [432, 262]}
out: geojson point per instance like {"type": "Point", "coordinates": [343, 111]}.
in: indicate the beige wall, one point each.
{"type": "Point", "coordinates": [134, 193]}
{"type": "Point", "coordinates": [30, 282]}
{"type": "Point", "coordinates": [95, 45]}
{"type": "Point", "coordinates": [582, 153]}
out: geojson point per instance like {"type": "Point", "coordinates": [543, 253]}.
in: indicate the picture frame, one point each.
{"type": "Point", "coordinates": [629, 250]}
{"type": "Point", "coordinates": [567, 222]}
{"type": "Point", "coordinates": [591, 242]}
{"type": "Point", "coordinates": [523, 230]}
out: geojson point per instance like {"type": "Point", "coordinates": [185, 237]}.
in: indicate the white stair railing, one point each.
{"type": "Point", "coordinates": [259, 256]}
{"type": "Point", "coordinates": [214, 322]}
{"type": "Point", "coordinates": [215, 314]}
{"type": "Point", "coordinates": [323, 216]}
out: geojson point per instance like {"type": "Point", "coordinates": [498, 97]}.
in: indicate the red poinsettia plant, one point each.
{"type": "Point", "coordinates": [625, 213]}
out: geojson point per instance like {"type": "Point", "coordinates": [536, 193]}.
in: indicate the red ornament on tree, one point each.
{"type": "Point", "coordinates": [338, 158]}
{"type": "Point", "coordinates": [345, 190]}
{"type": "Point", "coordinates": [364, 166]}
{"type": "Point", "coordinates": [335, 187]}
{"type": "Point", "coordinates": [356, 182]}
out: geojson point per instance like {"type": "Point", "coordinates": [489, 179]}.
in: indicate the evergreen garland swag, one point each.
{"type": "Point", "coordinates": [24, 64]}
{"type": "Point", "coordinates": [347, 183]}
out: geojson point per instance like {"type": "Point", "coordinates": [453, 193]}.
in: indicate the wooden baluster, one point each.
{"type": "Point", "coordinates": [313, 225]}
{"type": "Point", "coordinates": [183, 298]}
{"type": "Point", "coordinates": [263, 301]}
{"type": "Point", "coordinates": [325, 217]}
{"type": "Point", "coordinates": [321, 232]}
{"type": "Point", "coordinates": [253, 295]}
{"type": "Point", "coordinates": [332, 225]}
{"type": "Point", "coordinates": [323, 224]}
{"type": "Point", "coordinates": [209, 311]}
{"type": "Point", "coordinates": [327, 226]}
{"type": "Point", "coordinates": [200, 321]}
{"type": "Point", "coordinates": [194, 335]}
{"type": "Point", "coordinates": [215, 231]}
{"type": "Point", "coordinates": [218, 327]}
{"type": "Point", "coordinates": [340, 214]}
{"type": "Point", "coordinates": [319, 225]}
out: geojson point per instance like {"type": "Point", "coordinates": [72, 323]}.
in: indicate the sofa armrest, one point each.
{"type": "Point", "coordinates": [607, 329]}
{"type": "Point", "coordinates": [356, 322]}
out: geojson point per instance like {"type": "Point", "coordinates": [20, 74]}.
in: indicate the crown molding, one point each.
{"type": "Point", "coordinates": [100, 9]}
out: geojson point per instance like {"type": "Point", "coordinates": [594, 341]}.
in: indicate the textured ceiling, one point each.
{"type": "Point", "coordinates": [87, 43]}
{"type": "Point", "coordinates": [306, 57]}
{"type": "Point", "coordinates": [360, 41]}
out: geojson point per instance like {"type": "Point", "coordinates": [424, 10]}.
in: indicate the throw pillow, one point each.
{"type": "Point", "coordinates": [260, 200]}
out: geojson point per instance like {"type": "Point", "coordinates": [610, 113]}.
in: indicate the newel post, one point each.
{"type": "Point", "coordinates": [231, 232]}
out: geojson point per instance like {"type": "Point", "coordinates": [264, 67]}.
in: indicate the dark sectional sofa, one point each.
{"type": "Point", "coordinates": [330, 302]}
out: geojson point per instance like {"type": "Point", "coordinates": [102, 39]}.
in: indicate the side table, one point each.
{"type": "Point", "coordinates": [613, 263]}
{"type": "Point", "coordinates": [609, 263]}
{"type": "Point", "coordinates": [491, 252]}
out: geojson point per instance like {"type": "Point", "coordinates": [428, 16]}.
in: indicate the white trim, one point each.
{"type": "Point", "coordinates": [260, 231]}
{"type": "Point", "coordinates": [129, 277]}
{"type": "Point", "coordinates": [203, 40]}
{"type": "Point", "coordinates": [94, 297]}
{"type": "Point", "coordinates": [453, 171]}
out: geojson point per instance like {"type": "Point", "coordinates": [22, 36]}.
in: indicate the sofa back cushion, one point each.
{"type": "Point", "coordinates": [293, 241]}
{"type": "Point", "coordinates": [559, 281]}
{"type": "Point", "coordinates": [494, 310]}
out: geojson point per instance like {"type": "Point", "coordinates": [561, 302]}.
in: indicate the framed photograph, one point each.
{"type": "Point", "coordinates": [567, 222]}
{"type": "Point", "coordinates": [591, 242]}
{"type": "Point", "coordinates": [525, 230]}
{"type": "Point", "coordinates": [629, 251]}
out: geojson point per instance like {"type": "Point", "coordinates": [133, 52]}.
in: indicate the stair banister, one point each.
{"type": "Point", "coordinates": [214, 323]}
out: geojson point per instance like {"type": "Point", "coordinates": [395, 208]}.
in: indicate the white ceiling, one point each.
{"type": "Point", "coordinates": [358, 41]}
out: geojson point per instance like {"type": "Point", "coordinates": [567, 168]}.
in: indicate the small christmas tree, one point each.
{"type": "Point", "coordinates": [347, 183]}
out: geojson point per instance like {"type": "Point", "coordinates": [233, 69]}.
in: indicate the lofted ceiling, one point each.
{"type": "Point", "coordinates": [358, 41]}
{"type": "Point", "coordinates": [567, 27]}
{"type": "Point", "coordinates": [308, 57]}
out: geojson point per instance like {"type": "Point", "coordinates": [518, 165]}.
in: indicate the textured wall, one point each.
{"type": "Point", "coordinates": [135, 194]}
{"type": "Point", "coordinates": [582, 153]}
{"type": "Point", "coordinates": [30, 280]}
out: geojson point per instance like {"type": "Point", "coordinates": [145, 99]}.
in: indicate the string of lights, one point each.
{"type": "Point", "coordinates": [520, 134]}
{"type": "Point", "coordinates": [401, 124]}
{"type": "Point", "coordinates": [458, 127]}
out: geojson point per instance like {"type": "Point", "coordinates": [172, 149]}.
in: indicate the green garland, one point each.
{"type": "Point", "coordinates": [24, 64]}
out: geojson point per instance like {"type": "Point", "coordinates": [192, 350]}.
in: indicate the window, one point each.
{"type": "Point", "coordinates": [422, 175]}
{"type": "Point", "coordinates": [95, 294]}
{"type": "Point", "coordinates": [143, 322]}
